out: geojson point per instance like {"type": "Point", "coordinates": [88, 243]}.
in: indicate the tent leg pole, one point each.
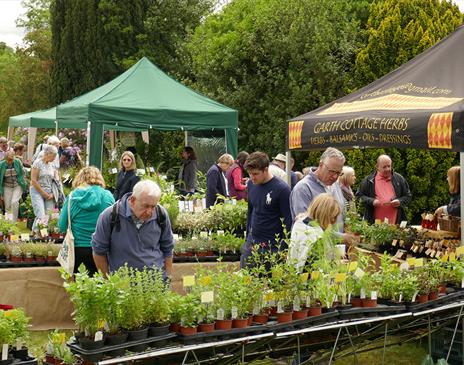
{"type": "Point", "coordinates": [287, 167]}
{"type": "Point", "coordinates": [186, 139]}
{"type": "Point", "coordinates": [88, 144]}
{"type": "Point", "coordinates": [461, 182]}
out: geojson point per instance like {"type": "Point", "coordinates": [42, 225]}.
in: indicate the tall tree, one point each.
{"type": "Point", "coordinates": [273, 60]}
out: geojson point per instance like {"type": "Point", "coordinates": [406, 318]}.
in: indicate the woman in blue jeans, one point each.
{"type": "Point", "coordinates": [42, 174]}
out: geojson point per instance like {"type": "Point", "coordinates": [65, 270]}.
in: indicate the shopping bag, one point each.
{"type": "Point", "coordinates": [66, 254]}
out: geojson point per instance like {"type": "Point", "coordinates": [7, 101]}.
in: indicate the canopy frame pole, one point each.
{"type": "Point", "coordinates": [186, 139]}
{"type": "Point", "coordinates": [288, 155]}
{"type": "Point", "coordinates": [88, 144]}
{"type": "Point", "coordinates": [461, 184]}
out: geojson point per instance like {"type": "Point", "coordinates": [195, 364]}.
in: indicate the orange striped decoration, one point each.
{"type": "Point", "coordinates": [294, 134]}
{"type": "Point", "coordinates": [439, 130]}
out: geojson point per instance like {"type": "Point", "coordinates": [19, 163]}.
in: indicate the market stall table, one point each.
{"type": "Point", "coordinates": [39, 290]}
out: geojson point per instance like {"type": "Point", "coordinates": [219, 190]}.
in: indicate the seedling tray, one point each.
{"type": "Point", "coordinates": [379, 310]}
{"type": "Point", "coordinates": [220, 335]}
{"type": "Point", "coordinates": [304, 323]}
{"type": "Point", "coordinates": [10, 264]}
{"type": "Point", "coordinates": [28, 361]}
{"type": "Point", "coordinates": [97, 354]}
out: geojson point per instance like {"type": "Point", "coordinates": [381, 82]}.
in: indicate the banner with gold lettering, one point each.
{"type": "Point", "coordinates": [419, 105]}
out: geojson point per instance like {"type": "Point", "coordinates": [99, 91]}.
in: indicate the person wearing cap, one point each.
{"type": "Point", "coordinates": [277, 167]}
{"type": "Point", "coordinates": [4, 148]}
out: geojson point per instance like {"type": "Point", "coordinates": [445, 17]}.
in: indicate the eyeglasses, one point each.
{"type": "Point", "coordinates": [333, 172]}
{"type": "Point", "coordinates": [127, 159]}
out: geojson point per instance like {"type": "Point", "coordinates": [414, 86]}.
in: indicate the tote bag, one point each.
{"type": "Point", "coordinates": [66, 254]}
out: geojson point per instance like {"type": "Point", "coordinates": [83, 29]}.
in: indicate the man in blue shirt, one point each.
{"type": "Point", "coordinates": [268, 208]}
{"type": "Point", "coordinates": [139, 238]}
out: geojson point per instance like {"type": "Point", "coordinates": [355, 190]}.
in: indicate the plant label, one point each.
{"type": "Point", "coordinates": [404, 266]}
{"type": "Point", "coordinates": [403, 224]}
{"type": "Point", "coordinates": [304, 277]}
{"type": "Point", "coordinates": [414, 296]}
{"type": "Point", "coordinates": [411, 261]}
{"type": "Point", "coordinates": [114, 170]}
{"type": "Point", "coordinates": [280, 309]}
{"type": "Point", "coordinates": [207, 297]}
{"type": "Point", "coordinates": [204, 234]}
{"type": "Point", "coordinates": [175, 236]}
{"type": "Point", "coordinates": [44, 232]}
{"type": "Point", "coordinates": [194, 238]}
{"type": "Point", "coordinates": [315, 275]}
{"type": "Point", "coordinates": [394, 242]}
{"type": "Point", "coordinates": [188, 280]}
{"type": "Point", "coordinates": [385, 220]}
{"type": "Point", "coordinates": [462, 283]}
{"type": "Point", "coordinates": [400, 299]}
{"type": "Point", "coordinates": [444, 258]}
{"type": "Point", "coordinates": [25, 237]}
{"type": "Point", "coordinates": [308, 301]}
{"type": "Point", "coordinates": [340, 277]}
{"type": "Point", "coordinates": [452, 257]}
{"type": "Point", "coordinates": [220, 314]}
{"type": "Point", "coordinates": [373, 295]}
{"type": "Point", "coordinates": [190, 206]}
{"type": "Point", "coordinates": [296, 303]}
{"type": "Point", "coordinates": [98, 336]}
{"type": "Point", "coordinates": [181, 206]}
{"type": "Point", "coordinates": [256, 309]}
{"type": "Point", "coordinates": [205, 281]}
{"type": "Point", "coordinates": [377, 221]}
{"type": "Point", "coordinates": [234, 312]}
{"type": "Point", "coordinates": [359, 273]}
{"type": "Point", "coordinates": [419, 262]}
{"type": "Point", "coordinates": [14, 238]}
{"type": "Point", "coordinates": [151, 169]}
{"type": "Point", "coordinates": [362, 293]}
{"type": "Point", "coordinates": [459, 250]}
{"type": "Point", "coordinates": [4, 351]}
{"type": "Point", "coordinates": [352, 266]}
{"type": "Point", "coordinates": [19, 344]}
{"type": "Point", "coordinates": [349, 297]}
{"type": "Point", "coordinates": [220, 233]}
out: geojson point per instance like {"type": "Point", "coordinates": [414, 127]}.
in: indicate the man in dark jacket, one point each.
{"type": "Point", "coordinates": [216, 181]}
{"type": "Point", "coordinates": [384, 193]}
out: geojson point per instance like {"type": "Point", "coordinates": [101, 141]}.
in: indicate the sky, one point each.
{"type": "Point", "coordinates": [10, 10]}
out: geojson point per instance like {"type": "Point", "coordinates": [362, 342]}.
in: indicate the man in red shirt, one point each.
{"type": "Point", "coordinates": [385, 193]}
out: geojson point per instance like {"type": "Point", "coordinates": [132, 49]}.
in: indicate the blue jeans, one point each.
{"type": "Point", "coordinates": [40, 206]}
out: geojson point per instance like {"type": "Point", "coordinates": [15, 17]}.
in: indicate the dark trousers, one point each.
{"type": "Point", "coordinates": [83, 255]}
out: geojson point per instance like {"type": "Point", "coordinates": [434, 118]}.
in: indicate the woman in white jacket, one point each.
{"type": "Point", "coordinates": [310, 226]}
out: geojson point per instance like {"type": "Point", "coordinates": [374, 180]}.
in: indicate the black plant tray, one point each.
{"type": "Point", "coordinates": [10, 264]}
{"type": "Point", "coordinates": [97, 354]}
{"type": "Point", "coordinates": [304, 323]}
{"type": "Point", "coordinates": [220, 335]}
{"type": "Point", "coordinates": [379, 310]}
{"type": "Point", "coordinates": [28, 361]}
{"type": "Point", "coordinates": [214, 258]}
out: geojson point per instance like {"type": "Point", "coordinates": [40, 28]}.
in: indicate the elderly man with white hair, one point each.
{"type": "Point", "coordinates": [135, 231]}
{"type": "Point", "coordinates": [384, 193]}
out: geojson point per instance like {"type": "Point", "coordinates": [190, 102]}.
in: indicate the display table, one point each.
{"type": "Point", "coordinates": [39, 290]}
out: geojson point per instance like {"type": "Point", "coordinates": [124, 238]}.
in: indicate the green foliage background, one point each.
{"type": "Point", "coordinates": [269, 59]}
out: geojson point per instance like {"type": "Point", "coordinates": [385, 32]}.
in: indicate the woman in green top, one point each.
{"type": "Point", "coordinates": [12, 183]}
{"type": "Point", "coordinates": [88, 199]}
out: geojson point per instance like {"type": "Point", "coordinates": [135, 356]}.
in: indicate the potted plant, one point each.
{"type": "Point", "coordinates": [3, 252]}
{"type": "Point", "coordinates": [15, 253]}
{"type": "Point", "coordinates": [19, 326]}
{"type": "Point", "coordinates": [88, 298]}
{"type": "Point", "coordinates": [28, 250]}
{"type": "Point", "coordinates": [188, 310]}
{"type": "Point", "coordinates": [6, 334]}
{"type": "Point", "coordinates": [158, 307]}
{"type": "Point", "coordinates": [52, 251]}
